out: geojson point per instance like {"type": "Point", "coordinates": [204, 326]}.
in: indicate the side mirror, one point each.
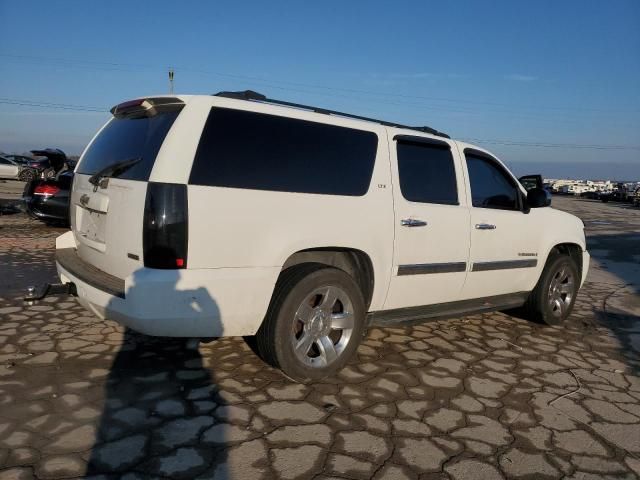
{"type": "Point", "coordinates": [538, 197]}
{"type": "Point", "coordinates": [531, 181]}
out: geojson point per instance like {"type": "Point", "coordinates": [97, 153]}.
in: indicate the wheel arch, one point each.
{"type": "Point", "coordinates": [573, 250]}
{"type": "Point", "coordinates": [354, 262]}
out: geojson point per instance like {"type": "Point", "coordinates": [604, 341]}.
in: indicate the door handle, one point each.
{"type": "Point", "coordinates": [412, 222]}
{"type": "Point", "coordinates": [485, 226]}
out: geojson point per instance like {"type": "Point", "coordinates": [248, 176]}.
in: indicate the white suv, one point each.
{"type": "Point", "coordinates": [234, 214]}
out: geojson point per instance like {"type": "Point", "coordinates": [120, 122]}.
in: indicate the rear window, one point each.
{"type": "Point", "coordinates": [240, 149]}
{"type": "Point", "coordinates": [126, 139]}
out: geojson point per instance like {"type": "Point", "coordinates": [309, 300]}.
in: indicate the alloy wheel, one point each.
{"type": "Point", "coordinates": [561, 292]}
{"type": "Point", "coordinates": [322, 326]}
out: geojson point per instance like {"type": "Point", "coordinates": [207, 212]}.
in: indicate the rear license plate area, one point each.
{"type": "Point", "coordinates": [91, 224]}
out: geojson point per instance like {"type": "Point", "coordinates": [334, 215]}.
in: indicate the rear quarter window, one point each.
{"type": "Point", "coordinates": [125, 139]}
{"type": "Point", "coordinates": [249, 150]}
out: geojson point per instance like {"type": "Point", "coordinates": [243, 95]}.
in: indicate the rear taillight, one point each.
{"type": "Point", "coordinates": [165, 229]}
{"type": "Point", "coordinates": [46, 190]}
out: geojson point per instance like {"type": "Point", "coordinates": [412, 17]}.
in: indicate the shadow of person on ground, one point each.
{"type": "Point", "coordinates": [157, 411]}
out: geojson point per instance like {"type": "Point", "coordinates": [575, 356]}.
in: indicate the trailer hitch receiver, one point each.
{"type": "Point", "coordinates": [35, 293]}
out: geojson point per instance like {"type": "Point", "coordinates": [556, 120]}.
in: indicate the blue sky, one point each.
{"type": "Point", "coordinates": [500, 72]}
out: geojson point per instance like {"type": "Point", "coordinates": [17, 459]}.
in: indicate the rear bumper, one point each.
{"type": "Point", "coordinates": [175, 303]}
{"type": "Point", "coordinates": [67, 259]}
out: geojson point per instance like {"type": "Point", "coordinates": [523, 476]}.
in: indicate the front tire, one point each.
{"type": "Point", "coordinates": [552, 300]}
{"type": "Point", "coordinates": [314, 323]}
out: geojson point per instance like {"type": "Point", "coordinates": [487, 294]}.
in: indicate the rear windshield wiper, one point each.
{"type": "Point", "coordinates": [113, 170]}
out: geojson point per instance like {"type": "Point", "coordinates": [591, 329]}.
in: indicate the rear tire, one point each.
{"type": "Point", "coordinates": [552, 299]}
{"type": "Point", "coordinates": [314, 323]}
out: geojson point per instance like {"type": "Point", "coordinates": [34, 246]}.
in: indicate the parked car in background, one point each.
{"type": "Point", "coordinates": [9, 169]}
{"type": "Point", "coordinates": [31, 167]}
{"type": "Point", "coordinates": [19, 159]}
{"type": "Point", "coordinates": [592, 195]}
{"type": "Point", "coordinates": [47, 198]}
{"type": "Point", "coordinates": [54, 160]}
{"type": "Point", "coordinates": [636, 197]}
{"type": "Point", "coordinates": [619, 193]}
{"type": "Point", "coordinates": [238, 215]}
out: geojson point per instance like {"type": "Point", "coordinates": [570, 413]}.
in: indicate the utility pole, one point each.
{"type": "Point", "coordinates": [170, 80]}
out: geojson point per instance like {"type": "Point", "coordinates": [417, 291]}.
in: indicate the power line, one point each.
{"type": "Point", "coordinates": [512, 143]}
{"type": "Point", "coordinates": [516, 143]}
{"type": "Point", "coordinates": [120, 66]}
{"type": "Point", "coordinates": [364, 103]}
{"type": "Point", "coordinates": [62, 106]}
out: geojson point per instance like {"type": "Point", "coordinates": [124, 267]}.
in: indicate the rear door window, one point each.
{"type": "Point", "coordinates": [241, 149]}
{"type": "Point", "coordinates": [127, 139]}
{"type": "Point", "coordinates": [427, 173]}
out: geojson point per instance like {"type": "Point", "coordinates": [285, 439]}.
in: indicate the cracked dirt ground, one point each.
{"type": "Point", "coordinates": [485, 396]}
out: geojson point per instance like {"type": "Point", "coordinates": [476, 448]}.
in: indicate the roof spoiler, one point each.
{"type": "Point", "coordinates": [146, 107]}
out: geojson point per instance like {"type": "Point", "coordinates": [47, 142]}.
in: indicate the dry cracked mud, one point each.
{"type": "Point", "coordinates": [484, 396]}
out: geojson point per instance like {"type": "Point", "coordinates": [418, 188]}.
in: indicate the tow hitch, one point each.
{"type": "Point", "coordinates": [35, 293]}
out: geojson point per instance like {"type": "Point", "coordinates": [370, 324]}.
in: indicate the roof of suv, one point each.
{"type": "Point", "coordinates": [250, 95]}
{"type": "Point", "coordinates": [154, 101]}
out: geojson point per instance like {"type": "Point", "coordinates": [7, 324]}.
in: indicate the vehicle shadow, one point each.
{"type": "Point", "coordinates": [615, 253]}
{"type": "Point", "coordinates": [620, 310]}
{"type": "Point", "coordinates": [158, 406]}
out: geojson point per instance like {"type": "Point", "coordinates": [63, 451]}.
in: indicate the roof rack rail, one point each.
{"type": "Point", "coordinates": [258, 97]}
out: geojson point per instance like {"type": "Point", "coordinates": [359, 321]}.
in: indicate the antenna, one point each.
{"type": "Point", "coordinates": [171, 80]}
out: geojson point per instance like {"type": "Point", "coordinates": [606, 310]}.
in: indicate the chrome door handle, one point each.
{"type": "Point", "coordinates": [485, 226]}
{"type": "Point", "coordinates": [412, 222]}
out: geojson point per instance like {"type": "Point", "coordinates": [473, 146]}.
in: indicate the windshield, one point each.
{"type": "Point", "coordinates": [126, 138]}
